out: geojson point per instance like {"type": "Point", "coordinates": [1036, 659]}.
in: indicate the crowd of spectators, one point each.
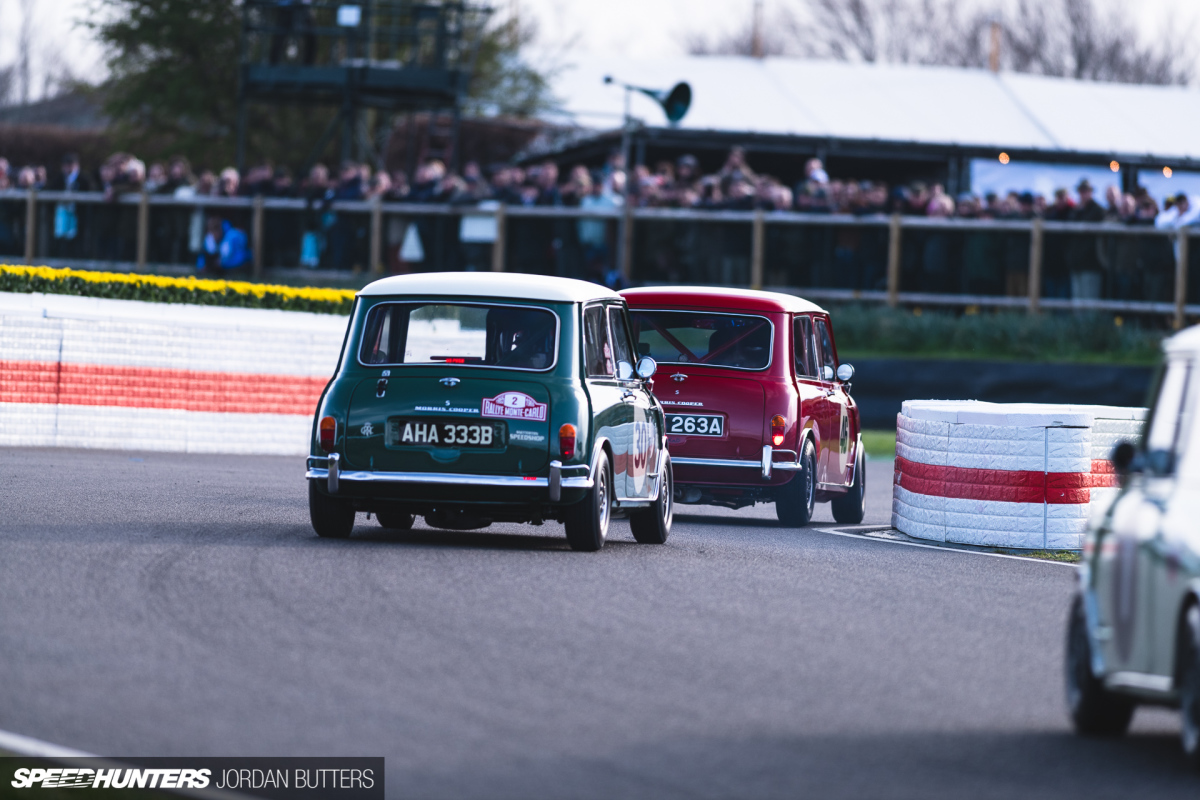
{"type": "Point", "coordinates": [670, 184]}
{"type": "Point", "coordinates": [323, 239]}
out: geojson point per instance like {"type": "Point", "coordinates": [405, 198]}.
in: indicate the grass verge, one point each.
{"type": "Point", "coordinates": [880, 444]}
{"type": "Point", "coordinates": [1064, 556]}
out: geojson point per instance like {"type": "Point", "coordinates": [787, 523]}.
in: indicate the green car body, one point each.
{"type": "Point", "coordinates": [469, 437]}
{"type": "Point", "coordinates": [1134, 628]}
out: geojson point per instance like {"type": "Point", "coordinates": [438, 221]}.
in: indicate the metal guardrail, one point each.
{"type": "Point", "coordinates": [758, 222]}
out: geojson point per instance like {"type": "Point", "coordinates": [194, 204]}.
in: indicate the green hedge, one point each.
{"type": "Point", "coordinates": [1007, 335]}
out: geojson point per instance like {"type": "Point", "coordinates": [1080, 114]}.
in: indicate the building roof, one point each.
{"type": "Point", "coordinates": [717, 297]}
{"type": "Point", "coordinates": [944, 106]}
{"type": "Point", "coordinates": [75, 110]}
{"type": "Point", "coordinates": [490, 285]}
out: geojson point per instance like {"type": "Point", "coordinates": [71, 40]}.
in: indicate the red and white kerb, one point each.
{"type": "Point", "coordinates": [1016, 475]}
{"type": "Point", "coordinates": [119, 374]}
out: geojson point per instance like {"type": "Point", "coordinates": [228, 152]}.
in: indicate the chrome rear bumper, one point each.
{"type": "Point", "coordinates": [576, 476]}
{"type": "Point", "coordinates": [764, 465]}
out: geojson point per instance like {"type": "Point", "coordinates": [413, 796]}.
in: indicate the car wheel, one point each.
{"type": "Point", "coordinates": [850, 508]}
{"type": "Point", "coordinates": [1189, 686]}
{"type": "Point", "coordinates": [331, 518]}
{"type": "Point", "coordinates": [653, 525]}
{"type": "Point", "coordinates": [587, 521]}
{"type": "Point", "coordinates": [1095, 711]}
{"type": "Point", "coordinates": [394, 520]}
{"type": "Point", "coordinates": [796, 499]}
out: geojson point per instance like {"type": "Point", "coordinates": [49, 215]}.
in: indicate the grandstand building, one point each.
{"type": "Point", "coordinates": [895, 123]}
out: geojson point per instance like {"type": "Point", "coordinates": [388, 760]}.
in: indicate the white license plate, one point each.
{"type": "Point", "coordinates": [695, 425]}
{"type": "Point", "coordinates": [445, 433]}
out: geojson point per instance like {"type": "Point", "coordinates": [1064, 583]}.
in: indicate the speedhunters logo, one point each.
{"type": "Point", "coordinates": [76, 778]}
{"type": "Point", "coordinates": [359, 778]}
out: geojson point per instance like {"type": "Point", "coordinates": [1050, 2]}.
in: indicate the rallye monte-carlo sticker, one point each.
{"type": "Point", "coordinates": [514, 405]}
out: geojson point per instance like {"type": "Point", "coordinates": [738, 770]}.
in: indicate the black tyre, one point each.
{"type": "Point", "coordinates": [850, 508]}
{"type": "Point", "coordinates": [653, 525]}
{"type": "Point", "coordinates": [1094, 710]}
{"type": "Point", "coordinates": [394, 520]}
{"type": "Point", "coordinates": [1189, 686]}
{"type": "Point", "coordinates": [587, 521]}
{"type": "Point", "coordinates": [331, 517]}
{"type": "Point", "coordinates": [796, 499]}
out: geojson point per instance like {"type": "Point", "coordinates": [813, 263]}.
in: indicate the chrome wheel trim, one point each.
{"type": "Point", "coordinates": [860, 472]}
{"type": "Point", "coordinates": [810, 484]}
{"type": "Point", "coordinates": [604, 502]}
{"type": "Point", "coordinates": [666, 494]}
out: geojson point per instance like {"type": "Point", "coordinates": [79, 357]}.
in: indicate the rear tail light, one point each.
{"type": "Point", "coordinates": [566, 440]}
{"type": "Point", "coordinates": [328, 433]}
{"type": "Point", "coordinates": [778, 423]}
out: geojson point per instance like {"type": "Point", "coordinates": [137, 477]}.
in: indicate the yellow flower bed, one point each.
{"type": "Point", "coordinates": [165, 289]}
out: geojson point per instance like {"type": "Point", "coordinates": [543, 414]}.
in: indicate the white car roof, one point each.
{"type": "Point", "coordinates": [1186, 341]}
{"type": "Point", "coordinates": [489, 285]}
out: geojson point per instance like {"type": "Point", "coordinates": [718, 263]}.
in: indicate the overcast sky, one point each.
{"type": "Point", "coordinates": [630, 28]}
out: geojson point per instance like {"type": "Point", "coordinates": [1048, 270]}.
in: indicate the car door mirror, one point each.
{"type": "Point", "coordinates": [624, 370]}
{"type": "Point", "coordinates": [1122, 457]}
{"type": "Point", "coordinates": [826, 373]}
{"type": "Point", "coordinates": [646, 367]}
{"type": "Point", "coordinates": [845, 373]}
{"type": "Point", "coordinates": [1125, 460]}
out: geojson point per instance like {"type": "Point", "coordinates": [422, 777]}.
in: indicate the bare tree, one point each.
{"type": "Point", "coordinates": [57, 76]}
{"type": "Point", "coordinates": [1083, 39]}
{"type": "Point", "coordinates": [755, 36]}
{"type": "Point", "coordinates": [895, 31]}
{"type": "Point", "coordinates": [8, 83]}
{"type": "Point", "coordinates": [24, 46]}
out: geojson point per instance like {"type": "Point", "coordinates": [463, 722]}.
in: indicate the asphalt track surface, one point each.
{"type": "Point", "coordinates": [180, 605]}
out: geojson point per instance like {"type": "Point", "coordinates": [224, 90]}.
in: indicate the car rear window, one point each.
{"type": "Point", "coordinates": [688, 337]}
{"type": "Point", "coordinates": [509, 337]}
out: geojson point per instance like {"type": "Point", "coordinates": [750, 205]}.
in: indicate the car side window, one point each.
{"type": "Point", "coordinates": [622, 342]}
{"type": "Point", "coordinates": [826, 345]}
{"type": "Point", "coordinates": [806, 364]}
{"type": "Point", "coordinates": [1170, 419]}
{"type": "Point", "coordinates": [596, 348]}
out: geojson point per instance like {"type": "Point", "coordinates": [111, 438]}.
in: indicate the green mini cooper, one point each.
{"type": "Point", "coordinates": [473, 398]}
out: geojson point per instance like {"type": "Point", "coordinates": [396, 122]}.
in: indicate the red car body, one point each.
{"type": "Point", "coordinates": [744, 455]}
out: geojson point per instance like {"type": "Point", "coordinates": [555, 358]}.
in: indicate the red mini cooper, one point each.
{"type": "Point", "coordinates": [757, 408]}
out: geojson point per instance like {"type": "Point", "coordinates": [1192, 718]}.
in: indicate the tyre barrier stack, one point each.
{"type": "Point", "coordinates": [129, 375]}
{"type": "Point", "coordinates": [1018, 475]}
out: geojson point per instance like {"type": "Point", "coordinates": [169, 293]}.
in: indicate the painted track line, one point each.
{"type": "Point", "coordinates": [36, 748]}
{"type": "Point", "coordinates": [864, 537]}
{"type": "Point", "coordinates": [23, 745]}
